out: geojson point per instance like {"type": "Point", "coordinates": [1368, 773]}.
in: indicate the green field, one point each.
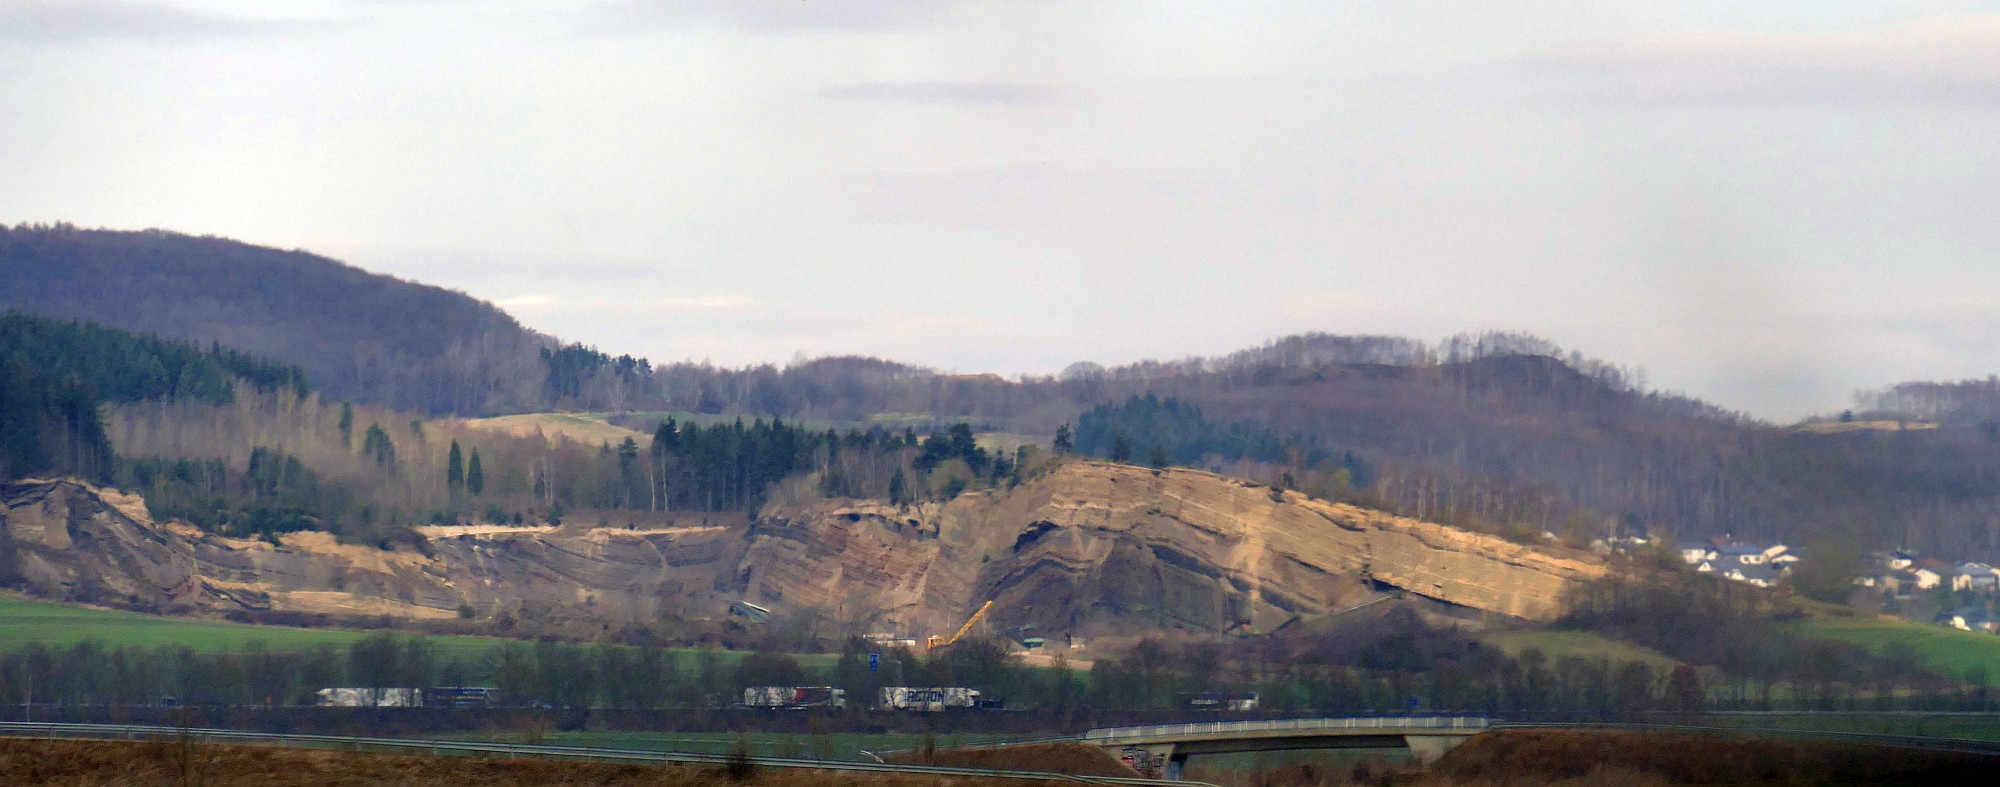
{"type": "Point", "coordinates": [24, 621]}
{"type": "Point", "coordinates": [1942, 649]}
{"type": "Point", "coordinates": [1557, 644]}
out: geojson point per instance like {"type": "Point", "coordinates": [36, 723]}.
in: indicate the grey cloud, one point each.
{"type": "Point", "coordinates": [999, 93]}
{"type": "Point", "coordinates": [1940, 60]}
{"type": "Point", "coordinates": [1006, 197]}
{"type": "Point", "coordinates": [797, 16]}
{"type": "Point", "coordinates": [61, 21]}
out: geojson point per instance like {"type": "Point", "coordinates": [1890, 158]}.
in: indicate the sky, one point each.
{"type": "Point", "coordinates": [1769, 205]}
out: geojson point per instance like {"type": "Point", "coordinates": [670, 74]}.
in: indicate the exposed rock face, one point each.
{"type": "Point", "coordinates": [77, 542]}
{"type": "Point", "coordinates": [1100, 548]}
{"type": "Point", "coordinates": [1090, 549]}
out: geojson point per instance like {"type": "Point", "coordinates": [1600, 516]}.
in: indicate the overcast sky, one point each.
{"type": "Point", "coordinates": [1769, 205]}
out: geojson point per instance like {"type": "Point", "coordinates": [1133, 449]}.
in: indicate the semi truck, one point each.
{"type": "Point", "coordinates": [927, 698]}
{"type": "Point", "coordinates": [370, 697]}
{"type": "Point", "coordinates": [794, 697]}
{"type": "Point", "coordinates": [401, 697]}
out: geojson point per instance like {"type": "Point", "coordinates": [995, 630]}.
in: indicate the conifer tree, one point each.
{"type": "Point", "coordinates": [475, 476]}
{"type": "Point", "coordinates": [899, 488]}
{"type": "Point", "coordinates": [454, 470]}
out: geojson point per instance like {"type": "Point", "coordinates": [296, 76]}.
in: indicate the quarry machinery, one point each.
{"type": "Point", "coordinates": [936, 642]}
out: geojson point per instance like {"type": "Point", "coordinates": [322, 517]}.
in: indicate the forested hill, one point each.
{"type": "Point", "coordinates": [359, 336]}
{"type": "Point", "coordinates": [56, 375]}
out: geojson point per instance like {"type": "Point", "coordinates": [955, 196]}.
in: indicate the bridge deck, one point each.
{"type": "Point", "coordinates": [1288, 728]}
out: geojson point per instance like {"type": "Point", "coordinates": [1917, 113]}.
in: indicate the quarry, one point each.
{"type": "Point", "coordinates": [1091, 549]}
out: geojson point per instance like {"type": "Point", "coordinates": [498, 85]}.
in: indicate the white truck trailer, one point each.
{"type": "Point", "coordinates": [370, 698]}
{"type": "Point", "coordinates": [927, 698]}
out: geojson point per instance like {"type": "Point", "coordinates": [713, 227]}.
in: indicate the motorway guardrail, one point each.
{"type": "Point", "coordinates": [1289, 725]}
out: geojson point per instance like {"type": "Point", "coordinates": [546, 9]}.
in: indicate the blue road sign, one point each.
{"type": "Point", "coordinates": [874, 661]}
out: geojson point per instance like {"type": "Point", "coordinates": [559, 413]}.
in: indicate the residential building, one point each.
{"type": "Point", "coordinates": [1967, 619]}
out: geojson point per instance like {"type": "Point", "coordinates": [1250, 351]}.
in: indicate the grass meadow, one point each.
{"type": "Point", "coordinates": [25, 621]}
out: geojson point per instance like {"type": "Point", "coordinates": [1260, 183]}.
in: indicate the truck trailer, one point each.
{"type": "Point", "coordinates": [927, 698]}
{"type": "Point", "coordinates": [794, 697]}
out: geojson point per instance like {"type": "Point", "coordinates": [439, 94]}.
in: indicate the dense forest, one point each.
{"type": "Point", "coordinates": [359, 336]}
{"type": "Point", "coordinates": [55, 376]}
{"type": "Point", "coordinates": [48, 424]}
{"type": "Point", "coordinates": [240, 446]}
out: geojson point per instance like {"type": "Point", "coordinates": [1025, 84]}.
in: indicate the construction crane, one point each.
{"type": "Point", "coordinates": [936, 642]}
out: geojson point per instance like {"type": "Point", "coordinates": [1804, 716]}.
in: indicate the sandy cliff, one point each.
{"type": "Point", "coordinates": [1096, 548]}
{"type": "Point", "coordinates": [1090, 549]}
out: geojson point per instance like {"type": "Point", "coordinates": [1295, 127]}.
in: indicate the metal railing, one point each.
{"type": "Point", "coordinates": [1287, 725]}
{"type": "Point", "coordinates": [494, 749]}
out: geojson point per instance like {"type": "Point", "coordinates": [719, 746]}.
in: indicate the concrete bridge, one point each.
{"type": "Point", "coordinates": [1162, 750]}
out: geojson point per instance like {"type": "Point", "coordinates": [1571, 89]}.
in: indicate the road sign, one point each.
{"type": "Point", "coordinates": [874, 662]}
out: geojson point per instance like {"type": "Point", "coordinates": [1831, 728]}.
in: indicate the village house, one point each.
{"type": "Point", "coordinates": [1968, 619]}
{"type": "Point", "coordinates": [1760, 566]}
{"type": "Point", "coordinates": [1975, 577]}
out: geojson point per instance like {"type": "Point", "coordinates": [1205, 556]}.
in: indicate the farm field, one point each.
{"type": "Point", "coordinates": [590, 428]}
{"type": "Point", "coordinates": [24, 621]}
{"type": "Point", "coordinates": [1953, 652]}
{"type": "Point", "coordinates": [1557, 644]}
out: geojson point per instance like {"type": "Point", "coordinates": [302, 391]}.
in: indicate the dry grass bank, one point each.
{"type": "Point", "coordinates": [1068, 758]}
{"type": "Point", "coordinates": [154, 763]}
{"type": "Point", "coordinates": [1585, 757]}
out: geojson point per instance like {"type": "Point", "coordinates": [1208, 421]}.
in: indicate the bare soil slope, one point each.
{"type": "Point", "coordinates": [1068, 758]}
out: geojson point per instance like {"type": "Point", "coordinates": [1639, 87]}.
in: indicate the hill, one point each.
{"type": "Point", "coordinates": [1499, 432]}
{"type": "Point", "coordinates": [359, 336]}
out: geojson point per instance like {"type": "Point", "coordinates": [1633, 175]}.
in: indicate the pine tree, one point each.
{"type": "Point", "coordinates": [346, 425]}
{"type": "Point", "coordinates": [1121, 449]}
{"type": "Point", "coordinates": [1065, 442]}
{"type": "Point", "coordinates": [454, 471]}
{"type": "Point", "coordinates": [376, 443]}
{"type": "Point", "coordinates": [899, 488]}
{"type": "Point", "coordinates": [475, 476]}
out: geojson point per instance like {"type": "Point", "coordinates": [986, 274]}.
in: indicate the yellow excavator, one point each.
{"type": "Point", "coordinates": [936, 642]}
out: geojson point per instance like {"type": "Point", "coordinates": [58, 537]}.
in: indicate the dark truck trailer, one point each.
{"type": "Point", "coordinates": [794, 697]}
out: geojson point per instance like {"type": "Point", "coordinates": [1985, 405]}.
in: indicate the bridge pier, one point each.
{"type": "Point", "coordinates": [1158, 760]}
{"type": "Point", "coordinates": [1429, 748]}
